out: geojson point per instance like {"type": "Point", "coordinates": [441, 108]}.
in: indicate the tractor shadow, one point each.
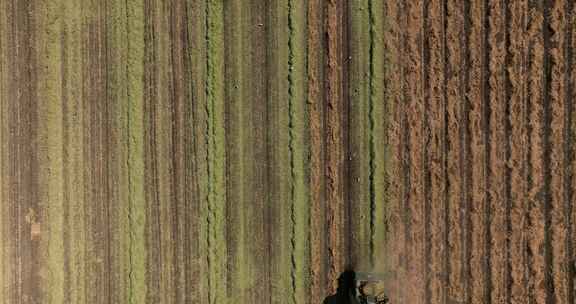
{"type": "Point", "coordinates": [344, 292]}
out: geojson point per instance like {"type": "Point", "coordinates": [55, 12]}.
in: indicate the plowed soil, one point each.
{"type": "Point", "coordinates": [210, 151]}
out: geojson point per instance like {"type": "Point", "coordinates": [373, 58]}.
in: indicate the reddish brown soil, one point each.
{"type": "Point", "coordinates": [497, 159]}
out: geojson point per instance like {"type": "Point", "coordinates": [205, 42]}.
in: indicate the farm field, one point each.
{"type": "Point", "coordinates": [211, 151]}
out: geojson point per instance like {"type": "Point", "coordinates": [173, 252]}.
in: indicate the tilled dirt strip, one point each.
{"type": "Point", "coordinates": [455, 151]}
{"type": "Point", "coordinates": [335, 112]}
{"type": "Point", "coordinates": [517, 153]}
{"type": "Point", "coordinates": [414, 201]}
{"type": "Point", "coordinates": [393, 78]}
{"type": "Point", "coordinates": [558, 129]}
{"type": "Point", "coordinates": [506, 228]}
{"type": "Point", "coordinates": [435, 152]}
{"type": "Point", "coordinates": [476, 91]}
{"type": "Point", "coordinates": [318, 205]}
{"type": "Point", "coordinates": [537, 280]}
{"type": "Point", "coordinates": [498, 210]}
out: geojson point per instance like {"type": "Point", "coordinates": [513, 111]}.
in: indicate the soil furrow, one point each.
{"type": "Point", "coordinates": [485, 97]}
{"type": "Point", "coordinates": [497, 152]}
{"type": "Point", "coordinates": [414, 124]}
{"type": "Point", "coordinates": [516, 161]}
{"type": "Point", "coordinates": [466, 156]}
{"type": "Point", "coordinates": [536, 194]}
{"type": "Point", "coordinates": [571, 80]}
{"type": "Point", "coordinates": [455, 27]}
{"type": "Point", "coordinates": [475, 94]}
{"type": "Point", "coordinates": [393, 49]}
{"type": "Point", "coordinates": [558, 224]}
{"type": "Point", "coordinates": [436, 157]}
{"type": "Point", "coordinates": [403, 156]}
{"type": "Point", "coordinates": [568, 54]}
{"type": "Point", "coordinates": [427, 191]}
{"type": "Point", "coordinates": [507, 150]}
{"type": "Point", "coordinates": [548, 45]}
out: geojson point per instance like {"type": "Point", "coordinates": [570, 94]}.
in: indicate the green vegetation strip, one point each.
{"type": "Point", "coordinates": [74, 163]}
{"type": "Point", "coordinates": [278, 141]}
{"type": "Point", "coordinates": [216, 152]}
{"type": "Point", "coordinates": [135, 131]}
{"type": "Point", "coordinates": [361, 125]}
{"type": "Point", "coordinates": [49, 52]}
{"type": "Point", "coordinates": [299, 149]}
{"type": "Point", "coordinates": [196, 19]}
